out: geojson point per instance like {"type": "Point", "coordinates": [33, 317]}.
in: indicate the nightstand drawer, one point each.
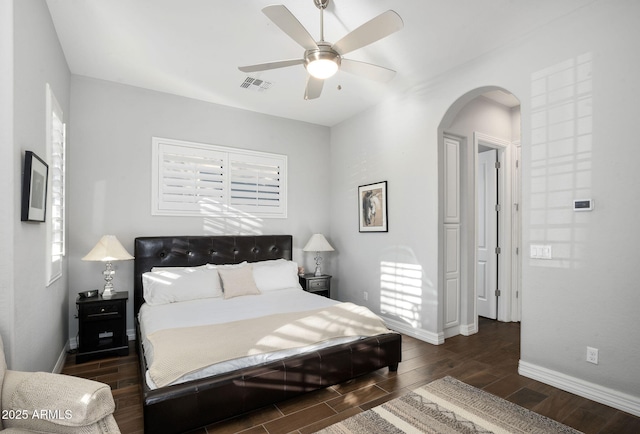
{"type": "Point", "coordinates": [318, 284]}
{"type": "Point", "coordinates": [102, 312]}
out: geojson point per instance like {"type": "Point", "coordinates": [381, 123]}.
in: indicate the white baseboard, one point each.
{"type": "Point", "coordinates": [423, 335]}
{"type": "Point", "coordinates": [61, 360]}
{"type": "Point", "coordinates": [595, 392]}
{"type": "Point", "coordinates": [468, 329]}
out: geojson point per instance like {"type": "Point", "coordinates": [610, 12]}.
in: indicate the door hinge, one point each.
{"type": "Point", "coordinates": [517, 250]}
{"type": "Point", "coordinates": [498, 251]}
{"type": "Point", "coordinates": [497, 164]}
{"type": "Point", "coordinates": [497, 293]}
{"type": "Point", "coordinates": [498, 207]}
{"type": "Point", "coordinates": [517, 206]}
{"type": "Point", "coordinates": [517, 163]}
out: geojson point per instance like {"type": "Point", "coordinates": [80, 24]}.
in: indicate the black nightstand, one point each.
{"type": "Point", "coordinates": [320, 285]}
{"type": "Point", "coordinates": [102, 326]}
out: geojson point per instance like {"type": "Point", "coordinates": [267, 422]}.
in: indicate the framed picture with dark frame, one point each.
{"type": "Point", "coordinates": [372, 206]}
{"type": "Point", "coordinates": [34, 188]}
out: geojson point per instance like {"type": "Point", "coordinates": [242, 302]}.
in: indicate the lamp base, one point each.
{"type": "Point", "coordinates": [108, 277]}
{"type": "Point", "coordinates": [318, 259]}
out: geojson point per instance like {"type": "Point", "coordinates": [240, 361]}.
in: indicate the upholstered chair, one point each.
{"type": "Point", "coordinates": [41, 402]}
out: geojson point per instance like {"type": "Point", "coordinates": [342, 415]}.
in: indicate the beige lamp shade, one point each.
{"type": "Point", "coordinates": [318, 243]}
{"type": "Point", "coordinates": [108, 249]}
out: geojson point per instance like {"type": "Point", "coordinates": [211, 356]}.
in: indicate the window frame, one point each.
{"type": "Point", "coordinates": [220, 165]}
{"type": "Point", "coordinates": [56, 233]}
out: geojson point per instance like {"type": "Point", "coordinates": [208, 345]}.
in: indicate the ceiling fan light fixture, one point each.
{"type": "Point", "coordinates": [322, 68]}
{"type": "Point", "coordinates": [323, 62]}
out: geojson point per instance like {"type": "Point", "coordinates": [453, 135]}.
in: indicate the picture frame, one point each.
{"type": "Point", "coordinates": [34, 188]}
{"type": "Point", "coordinates": [372, 207]}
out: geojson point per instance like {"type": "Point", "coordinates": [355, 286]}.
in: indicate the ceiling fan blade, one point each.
{"type": "Point", "coordinates": [271, 65]}
{"type": "Point", "coordinates": [367, 70]}
{"type": "Point", "coordinates": [314, 87]}
{"type": "Point", "coordinates": [379, 27]}
{"type": "Point", "coordinates": [288, 23]}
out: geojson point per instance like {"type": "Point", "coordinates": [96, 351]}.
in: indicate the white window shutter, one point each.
{"type": "Point", "coordinates": [56, 150]}
{"type": "Point", "coordinates": [199, 179]}
{"type": "Point", "coordinates": [256, 184]}
{"type": "Point", "coordinates": [192, 180]}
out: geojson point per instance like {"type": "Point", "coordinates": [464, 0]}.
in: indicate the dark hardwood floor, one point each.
{"type": "Point", "coordinates": [487, 360]}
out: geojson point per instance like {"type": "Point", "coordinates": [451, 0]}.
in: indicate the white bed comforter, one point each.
{"type": "Point", "coordinates": [219, 310]}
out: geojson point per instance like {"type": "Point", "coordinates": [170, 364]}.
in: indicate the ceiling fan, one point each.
{"type": "Point", "coordinates": [323, 59]}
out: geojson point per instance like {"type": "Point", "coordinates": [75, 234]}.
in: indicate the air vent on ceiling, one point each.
{"type": "Point", "coordinates": [256, 84]}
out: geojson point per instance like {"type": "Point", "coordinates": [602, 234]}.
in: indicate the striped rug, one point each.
{"type": "Point", "coordinates": [448, 406]}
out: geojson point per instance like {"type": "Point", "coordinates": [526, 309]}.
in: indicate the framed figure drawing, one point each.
{"type": "Point", "coordinates": [34, 188]}
{"type": "Point", "coordinates": [372, 205]}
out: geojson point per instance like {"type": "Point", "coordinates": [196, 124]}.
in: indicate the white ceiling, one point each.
{"type": "Point", "coordinates": [193, 47]}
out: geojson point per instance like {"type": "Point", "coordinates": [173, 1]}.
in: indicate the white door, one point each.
{"type": "Point", "coordinates": [487, 261]}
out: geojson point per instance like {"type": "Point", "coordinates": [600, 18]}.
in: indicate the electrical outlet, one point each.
{"type": "Point", "coordinates": [366, 296]}
{"type": "Point", "coordinates": [592, 355]}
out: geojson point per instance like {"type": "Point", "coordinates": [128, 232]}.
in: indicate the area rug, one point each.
{"type": "Point", "coordinates": [448, 406]}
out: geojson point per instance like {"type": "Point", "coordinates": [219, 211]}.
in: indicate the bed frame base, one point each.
{"type": "Point", "coordinates": [183, 407]}
{"type": "Point", "coordinates": [180, 408]}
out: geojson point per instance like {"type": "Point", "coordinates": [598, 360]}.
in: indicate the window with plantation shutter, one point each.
{"type": "Point", "coordinates": [195, 179]}
{"type": "Point", "coordinates": [56, 160]}
{"type": "Point", "coordinates": [255, 183]}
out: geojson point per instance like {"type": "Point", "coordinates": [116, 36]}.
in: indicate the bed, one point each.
{"type": "Point", "coordinates": [192, 403]}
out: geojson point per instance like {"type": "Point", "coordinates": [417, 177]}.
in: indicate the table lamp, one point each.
{"type": "Point", "coordinates": [107, 250]}
{"type": "Point", "coordinates": [318, 243]}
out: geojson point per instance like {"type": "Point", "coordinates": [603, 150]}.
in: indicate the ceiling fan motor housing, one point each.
{"type": "Point", "coordinates": [321, 4]}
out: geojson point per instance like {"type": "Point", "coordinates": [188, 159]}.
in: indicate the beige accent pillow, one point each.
{"type": "Point", "coordinates": [238, 281]}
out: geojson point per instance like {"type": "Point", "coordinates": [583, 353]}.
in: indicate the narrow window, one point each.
{"type": "Point", "coordinates": [56, 159]}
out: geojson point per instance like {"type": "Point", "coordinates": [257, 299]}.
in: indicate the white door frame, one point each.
{"type": "Point", "coordinates": [509, 300]}
{"type": "Point", "coordinates": [487, 235]}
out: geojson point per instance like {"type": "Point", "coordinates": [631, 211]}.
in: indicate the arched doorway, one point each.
{"type": "Point", "coordinates": [479, 258]}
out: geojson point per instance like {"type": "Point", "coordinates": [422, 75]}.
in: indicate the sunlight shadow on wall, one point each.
{"type": "Point", "coordinates": [561, 158]}
{"type": "Point", "coordinates": [401, 282]}
{"type": "Point", "coordinates": [233, 222]}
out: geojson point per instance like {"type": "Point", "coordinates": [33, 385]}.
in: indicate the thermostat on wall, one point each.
{"type": "Point", "coordinates": [583, 205]}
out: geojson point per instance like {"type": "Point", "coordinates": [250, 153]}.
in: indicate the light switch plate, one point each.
{"type": "Point", "coordinates": [540, 251]}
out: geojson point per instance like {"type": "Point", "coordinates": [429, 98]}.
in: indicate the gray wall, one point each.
{"type": "Point", "coordinates": [587, 295]}
{"type": "Point", "coordinates": [109, 173]}
{"type": "Point", "coordinates": [34, 316]}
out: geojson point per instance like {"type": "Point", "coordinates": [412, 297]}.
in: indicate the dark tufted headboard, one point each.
{"type": "Point", "coordinates": [182, 251]}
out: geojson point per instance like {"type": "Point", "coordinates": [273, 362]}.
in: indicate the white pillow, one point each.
{"type": "Point", "coordinates": [275, 274]}
{"type": "Point", "coordinates": [164, 285]}
{"type": "Point", "coordinates": [238, 281]}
